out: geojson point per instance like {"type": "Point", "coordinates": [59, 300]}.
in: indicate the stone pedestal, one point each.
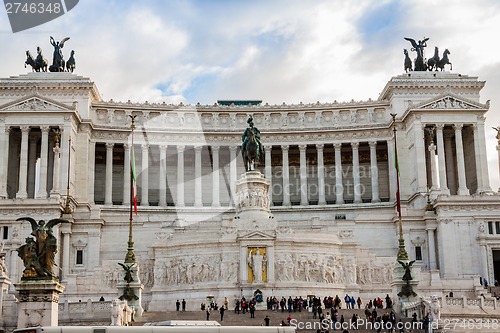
{"type": "Point", "coordinates": [4, 288]}
{"type": "Point", "coordinates": [252, 196]}
{"type": "Point", "coordinates": [38, 303]}
{"type": "Point", "coordinates": [399, 287]}
{"type": "Point", "coordinates": [132, 292]}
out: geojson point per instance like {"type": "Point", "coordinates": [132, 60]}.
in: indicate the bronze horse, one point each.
{"type": "Point", "coordinates": [432, 62]}
{"type": "Point", "coordinates": [445, 61]}
{"type": "Point", "coordinates": [70, 64]}
{"type": "Point", "coordinates": [36, 65]}
{"type": "Point", "coordinates": [408, 65]}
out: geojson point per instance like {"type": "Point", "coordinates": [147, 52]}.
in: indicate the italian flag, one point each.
{"type": "Point", "coordinates": [133, 180]}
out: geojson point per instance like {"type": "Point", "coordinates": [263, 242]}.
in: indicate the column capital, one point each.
{"type": "Point", "coordinates": [458, 127]}
{"type": "Point", "coordinates": [234, 149]}
{"type": "Point", "coordinates": [45, 129]}
{"type": "Point", "coordinates": [302, 147]}
{"type": "Point", "coordinates": [320, 146]}
{"type": "Point", "coordinates": [439, 127]}
{"type": "Point", "coordinates": [337, 145]}
{"type": "Point", "coordinates": [285, 148]}
{"type": "Point", "coordinates": [215, 149]}
{"type": "Point", "coordinates": [163, 147]}
{"type": "Point", "coordinates": [180, 149]}
{"type": "Point", "coordinates": [474, 127]}
{"type": "Point", "coordinates": [372, 144]}
{"type": "Point", "coordinates": [109, 145]}
{"type": "Point", "coordinates": [198, 149]}
{"type": "Point", "coordinates": [145, 146]}
{"type": "Point", "coordinates": [7, 129]}
{"type": "Point", "coordinates": [126, 146]}
{"type": "Point", "coordinates": [24, 128]}
{"type": "Point", "coordinates": [432, 147]}
{"type": "Point", "coordinates": [355, 145]}
{"type": "Point", "coordinates": [268, 148]}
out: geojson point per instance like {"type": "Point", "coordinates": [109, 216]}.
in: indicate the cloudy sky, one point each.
{"type": "Point", "coordinates": [276, 50]}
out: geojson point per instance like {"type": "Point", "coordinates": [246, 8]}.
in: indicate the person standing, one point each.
{"type": "Point", "coordinates": [183, 305]}
{"type": "Point", "coordinates": [252, 310]}
{"type": "Point", "coordinates": [177, 305]}
{"type": "Point", "coordinates": [208, 313]}
{"type": "Point", "coordinates": [221, 310]}
{"type": "Point", "coordinates": [267, 320]}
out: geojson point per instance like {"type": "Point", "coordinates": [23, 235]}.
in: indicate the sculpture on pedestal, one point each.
{"type": "Point", "coordinates": [419, 48]}
{"type": "Point", "coordinates": [407, 289]}
{"type": "Point", "coordinates": [39, 255]}
{"type": "Point", "coordinates": [432, 308]}
{"type": "Point", "coordinates": [251, 148]}
{"type": "Point", "coordinates": [257, 263]}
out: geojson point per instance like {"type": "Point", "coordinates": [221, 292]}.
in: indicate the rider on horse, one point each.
{"type": "Point", "coordinates": [250, 132]}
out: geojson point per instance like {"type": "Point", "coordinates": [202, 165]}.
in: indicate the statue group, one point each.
{"type": "Point", "coordinates": [58, 63]}
{"type": "Point", "coordinates": [38, 254]}
{"type": "Point", "coordinates": [420, 62]}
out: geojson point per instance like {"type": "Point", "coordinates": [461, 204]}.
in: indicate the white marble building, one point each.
{"type": "Point", "coordinates": [331, 227]}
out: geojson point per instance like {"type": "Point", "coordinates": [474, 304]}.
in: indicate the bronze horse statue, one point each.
{"type": "Point", "coordinates": [408, 65]}
{"type": "Point", "coordinates": [70, 64]}
{"type": "Point", "coordinates": [444, 61]}
{"type": "Point", "coordinates": [37, 64]}
{"type": "Point", "coordinates": [251, 152]}
{"type": "Point", "coordinates": [432, 62]}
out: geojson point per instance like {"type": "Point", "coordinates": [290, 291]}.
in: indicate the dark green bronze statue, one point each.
{"type": "Point", "coordinates": [39, 255]}
{"type": "Point", "coordinates": [251, 148]}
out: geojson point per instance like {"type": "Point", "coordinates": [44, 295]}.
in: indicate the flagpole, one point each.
{"type": "Point", "coordinates": [402, 254]}
{"type": "Point", "coordinates": [130, 257]}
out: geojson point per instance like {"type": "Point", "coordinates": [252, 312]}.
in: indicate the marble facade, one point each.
{"type": "Point", "coordinates": [326, 223]}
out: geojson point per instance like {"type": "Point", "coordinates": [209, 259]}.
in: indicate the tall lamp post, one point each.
{"type": "Point", "coordinates": [402, 254]}
{"type": "Point", "coordinates": [130, 257]}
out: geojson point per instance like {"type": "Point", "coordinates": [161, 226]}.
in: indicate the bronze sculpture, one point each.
{"type": "Point", "coordinates": [70, 64]}
{"type": "Point", "coordinates": [251, 148]}
{"type": "Point", "coordinates": [39, 255]}
{"type": "Point", "coordinates": [419, 48]}
{"type": "Point", "coordinates": [407, 267]}
{"type": "Point", "coordinates": [57, 60]}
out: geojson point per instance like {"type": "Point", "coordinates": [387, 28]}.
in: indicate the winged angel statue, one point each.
{"type": "Point", "coordinates": [39, 255]}
{"type": "Point", "coordinates": [57, 60]}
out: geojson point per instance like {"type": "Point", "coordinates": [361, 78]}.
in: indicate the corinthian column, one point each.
{"type": "Point", "coordinates": [374, 171]}
{"type": "Point", "coordinates": [462, 185]}
{"type": "Point", "coordinates": [163, 176]}
{"type": "Point", "coordinates": [355, 172]}
{"type": "Point", "coordinates": [145, 175]}
{"type": "Point", "coordinates": [23, 164]}
{"type": "Point", "coordinates": [215, 177]}
{"type": "Point", "coordinates": [44, 151]}
{"type": "Point", "coordinates": [57, 169]}
{"type": "Point", "coordinates": [286, 176]}
{"type": "Point", "coordinates": [434, 174]}
{"type": "Point", "coordinates": [126, 174]}
{"type": "Point", "coordinates": [198, 202]}
{"type": "Point", "coordinates": [339, 187]}
{"type": "Point", "coordinates": [108, 198]}
{"type": "Point", "coordinates": [268, 171]}
{"type": "Point", "coordinates": [303, 176]}
{"type": "Point", "coordinates": [321, 175]}
{"type": "Point", "coordinates": [4, 170]}
{"type": "Point", "coordinates": [180, 176]}
{"type": "Point", "coordinates": [443, 183]}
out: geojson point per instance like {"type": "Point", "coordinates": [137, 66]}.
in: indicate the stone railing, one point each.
{"type": "Point", "coordinates": [464, 302]}
{"type": "Point", "coordinates": [85, 311]}
{"type": "Point", "coordinates": [219, 118]}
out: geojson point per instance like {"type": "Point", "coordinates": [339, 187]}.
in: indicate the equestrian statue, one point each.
{"type": "Point", "coordinates": [251, 148]}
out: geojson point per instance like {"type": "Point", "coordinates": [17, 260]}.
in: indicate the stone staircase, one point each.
{"type": "Point", "coordinates": [233, 319]}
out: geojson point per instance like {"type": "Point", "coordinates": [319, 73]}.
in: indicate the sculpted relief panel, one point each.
{"type": "Point", "coordinates": [329, 269]}
{"type": "Point", "coordinates": [191, 270]}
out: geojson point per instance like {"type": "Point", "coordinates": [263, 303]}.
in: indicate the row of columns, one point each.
{"type": "Point", "coordinates": [445, 166]}
{"type": "Point", "coordinates": [180, 200]}
{"type": "Point", "coordinates": [27, 162]}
